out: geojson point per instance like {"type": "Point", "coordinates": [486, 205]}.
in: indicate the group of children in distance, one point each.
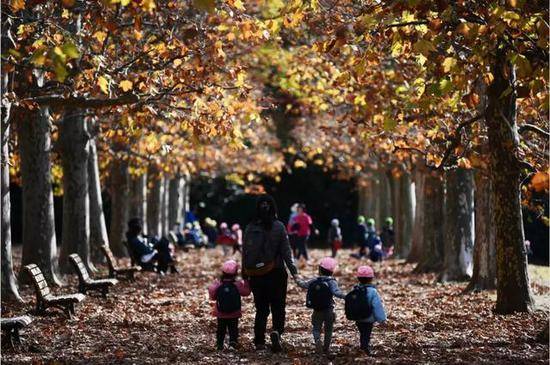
{"type": "Point", "coordinates": [362, 304]}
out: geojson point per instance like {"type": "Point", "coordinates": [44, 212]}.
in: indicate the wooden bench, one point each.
{"type": "Point", "coordinates": [85, 282]}
{"type": "Point", "coordinates": [45, 299]}
{"type": "Point", "coordinates": [114, 270]}
{"type": "Point", "coordinates": [11, 327]}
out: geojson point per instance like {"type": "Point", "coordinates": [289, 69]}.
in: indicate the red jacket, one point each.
{"type": "Point", "coordinates": [244, 290]}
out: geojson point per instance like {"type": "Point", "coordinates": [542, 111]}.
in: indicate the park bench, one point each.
{"type": "Point", "coordinates": [85, 282]}
{"type": "Point", "coordinates": [10, 328]}
{"type": "Point", "coordinates": [114, 270]}
{"type": "Point", "coordinates": [45, 299]}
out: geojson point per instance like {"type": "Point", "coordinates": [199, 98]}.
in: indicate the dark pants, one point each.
{"type": "Point", "coordinates": [230, 325]}
{"type": "Point", "coordinates": [301, 247]}
{"type": "Point", "coordinates": [269, 292]}
{"type": "Point", "coordinates": [164, 257]}
{"type": "Point", "coordinates": [365, 330]}
{"type": "Point", "coordinates": [292, 242]}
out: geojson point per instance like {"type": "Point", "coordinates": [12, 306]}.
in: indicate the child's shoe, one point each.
{"type": "Point", "coordinates": [219, 346]}
{"type": "Point", "coordinates": [234, 345]}
{"type": "Point", "coordinates": [318, 347]}
{"type": "Point", "coordinates": [276, 342]}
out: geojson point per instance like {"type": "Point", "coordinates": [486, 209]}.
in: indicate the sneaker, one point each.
{"type": "Point", "coordinates": [219, 346]}
{"type": "Point", "coordinates": [234, 345]}
{"type": "Point", "coordinates": [318, 347]}
{"type": "Point", "coordinates": [276, 341]}
{"type": "Point", "coordinates": [260, 347]}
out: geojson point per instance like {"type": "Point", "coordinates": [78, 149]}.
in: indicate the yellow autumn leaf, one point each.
{"type": "Point", "coordinates": [448, 64]}
{"type": "Point", "coordinates": [18, 5]}
{"type": "Point", "coordinates": [241, 77]}
{"type": "Point", "coordinates": [103, 84]}
{"type": "Point", "coordinates": [126, 85]}
{"type": "Point", "coordinates": [239, 5]}
{"type": "Point", "coordinates": [100, 36]}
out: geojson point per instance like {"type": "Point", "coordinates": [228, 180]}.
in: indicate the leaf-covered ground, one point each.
{"type": "Point", "coordinates": [165, 320]}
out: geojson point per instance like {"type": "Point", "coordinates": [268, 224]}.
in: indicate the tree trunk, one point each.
{"type": "Point", "coordinates": [513, 291]}
{"type": "Point", "coordinates": [417, 241]}
{"type": "Point", "coordinates": [383, 197]}
{"type": "Point", "coordinates": [98, 227]}
{"type": "Point", "coordinates": [39, 243]}
{"type": "Point", "coordinates": [165, 206]}
{"type": "Point", "coordinates": [73, 139]}
{"type": "Point", "coordinates": [138, 201]}
{"type": "Point", "coordinates": [119, 206]}
{"type": "Point", "coordinates": [176, 201]}
{"type": "Point", "coordinates": [484, 271]}
{"type": "Point", "coordinates": [403, 215]}
{"type": "Point", "coordinates": [459, 225]}
{"type": "Point", "coordinates": [154, 201]}
{"type": "Point", "coordinates": [431, 256]}
{"type": "Point", "coordinates": [9, 284]}
{"type": "Point", "coordinates": [186, 196]}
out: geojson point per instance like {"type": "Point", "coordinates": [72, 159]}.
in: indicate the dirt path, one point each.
{"type": "Point", "coordinates": [165, 320]}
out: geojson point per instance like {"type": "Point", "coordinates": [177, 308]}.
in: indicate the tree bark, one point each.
{"type": "Point", "coordinates": [165, 201]}
{"type": "Point", "coordinates": [39, 243]}
{"type": "Point", "coordinates": [73, 139]}
{"type": "Point", "coordinates": [403, 216]}
{"type": "Point", "coordinates": [119, 206]}
{"type": "Point", "coordinates": [383, 197]}
{"type": "Point", "coordinates": [431, 256]}
{"type": "Point", "coordinates": [138, 201]}
{"type": "Point", "coordinates": [513, 291]}
{"type": "Point", "coordinates": [176, 201]}
{"type": "Point", "coordinates": [154, 201]}
{"type": "Point", "coordinates": [417, 240]}
{"type": "Point", "coordinates": [98, 227]}
{"type": "Point", "coordinates": [459, 225]}
{"type": "Point", "coordinates": [9, 284]}
{"type": "Point", "coordinates": [484, 271]}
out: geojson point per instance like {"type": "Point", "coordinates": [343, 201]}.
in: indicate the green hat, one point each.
{"type": "Point", "coordinates": [361, 219]}
{"type": "Point", "coordinates": [389, 221]}
{"type": "Point", "coordinates": [370, 221]}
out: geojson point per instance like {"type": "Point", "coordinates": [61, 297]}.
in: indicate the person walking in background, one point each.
{"type": "Point", "coordinates": [237, 234]}
{"type": "Point", "coordinates": [387, 236]}
{"type": "Point", "coordinates": [335, 236]}
{"type": "Point", "coordinates": [361, 237]}
{"type": "Point", "coordinates": [303, 231]}
{"type": "Point", "coordinates": [292, 228]}
{"type": "Point", "coordinates": [225, 238]}
{"type": "Point", "coordinates": [210, 231]}
{"type": "Point", "coordinates": [265, 254]}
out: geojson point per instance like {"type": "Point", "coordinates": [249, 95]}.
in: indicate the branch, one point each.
{"type": "Point", "coordinates": [533, 128]}
{"type": "Point", "coordinates": [455, 141]}
{"type": "Point", "coordinates": [414, 22]}
{"type": "Point", "coordinates": [83, 102]}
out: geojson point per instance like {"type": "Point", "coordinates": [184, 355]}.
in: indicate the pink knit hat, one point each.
{"type": "Point", "coordinates": [230, 267]}
{"type": "Point", "coordinates": [365, 272]}
{"type": "Point", "coordinates": [328, 263]}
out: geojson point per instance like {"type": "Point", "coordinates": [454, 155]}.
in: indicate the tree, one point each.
{"type": "Point", "coordinates": [119, 191]}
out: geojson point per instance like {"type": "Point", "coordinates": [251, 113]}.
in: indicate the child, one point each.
{"type": "Point", "coordinates": [320, 293]}
{"type": "Point", "coordinates": [363, 305]}
{"type": "Point", "coordinates": [225, 239]}
{"type": "Point", "coordinates": [227, 293]}
{"type": "Point", "coordinates": [335, 236]}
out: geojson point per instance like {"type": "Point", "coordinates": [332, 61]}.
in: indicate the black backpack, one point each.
{"type": "Point", "coordinates": [357, 306]}
{"type": "Point", "coordinates": [319, 296]}
{"type": "Point", "coordinates": [228, 299]}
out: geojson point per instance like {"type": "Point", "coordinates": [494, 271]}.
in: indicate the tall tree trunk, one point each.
{"type": "Point", "coordinates": [9, 284]}
{"type": "Point", "coordinates": [119, 206]}
{"type": "Point", "coordinates": [39, 243]}
{"type": "Point", "coordinates": [138, 201]}
{"type": "Point", "coordinates": [403, 216]}
{"type": "Point", "coordinates": [431, 256]}
{"type": "Point", "coordinates": [361, 192]}
{"type": "Point", "coordinates": [73, 139]}
{"type": "Point", "coordinates": [154, 201]}
{"type": "Point", "coordinates": [186, 196]}
{"type": "Point", "coordinates": [165, 202]}
{"type": "Point", "coordinates": [176, 201]}
{"type": "Point", "coordinates": [383, 197]}
{"type": "Point", "coordinates": [98, 227]}
{"type": "Point", "coordinates": [513, 291]}
{"type": "Point", "coordinates": [459, 225]}
{"type": "Point", "coordinates": [417, 241]}
{"type": "Point", "coordinates": [484, 271]}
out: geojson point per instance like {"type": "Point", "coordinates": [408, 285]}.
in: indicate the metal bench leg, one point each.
{"type": "Point", "coordinates": [104, 292]}
{"type": "Point", "coordinates": [16, 336]}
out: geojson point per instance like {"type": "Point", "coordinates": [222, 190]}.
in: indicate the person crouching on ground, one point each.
{"type": "Point", "coordinates": [320, 293]}
{"type": "Point", "coordinates": [227, 292]}
{"type": "Point", "coordinates": [364, 306]}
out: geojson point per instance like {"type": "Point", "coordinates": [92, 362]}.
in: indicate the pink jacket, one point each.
{"type": "Point", "coordinates": [244, 290]}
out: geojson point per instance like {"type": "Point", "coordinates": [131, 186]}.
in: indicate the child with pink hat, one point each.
{"type": "Point", "coordinates": [320, 294]}
{"type": "Point", "coordinates": [364, 306]}
{"type": "Point", "coordinates": [227, 292]}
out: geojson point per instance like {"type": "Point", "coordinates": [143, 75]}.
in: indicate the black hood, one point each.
{"type": "Point", "coordinates": [266, 210]}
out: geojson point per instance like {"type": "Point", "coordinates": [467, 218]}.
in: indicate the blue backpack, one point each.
{"type": "Point", "coordinates": [228, 299]}
{"type": "Point", "coordinates": [357, 306]}
{"type": "Point", "coordinates": [319, 295]}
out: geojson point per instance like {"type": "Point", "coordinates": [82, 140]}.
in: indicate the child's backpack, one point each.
{"type": "Point", "coordinates": [319, 295]}
{"type": "Point", "coordinates": [357, 306]}
{"type": "Point", "coordinates": [228, 299]}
